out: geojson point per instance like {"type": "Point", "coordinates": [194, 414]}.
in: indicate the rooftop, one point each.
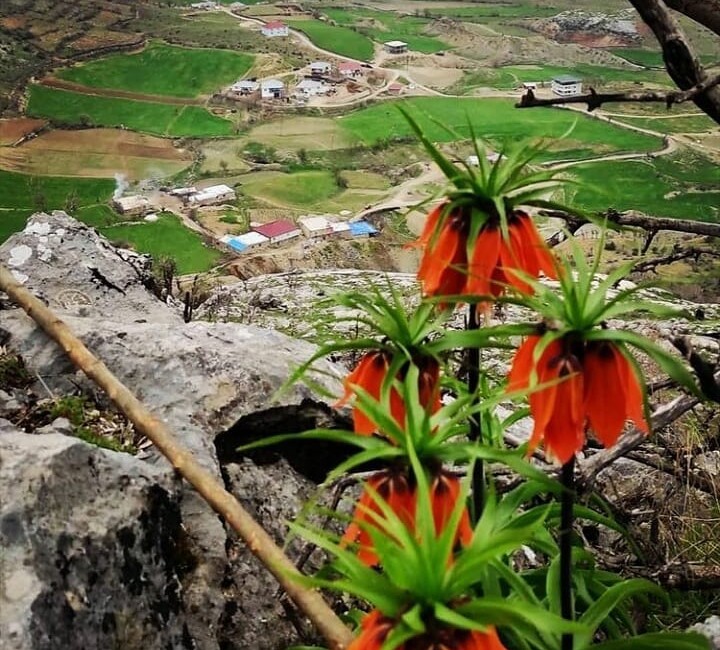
{"type": "Point", "coordinates": [273, 83]}
{"type": "Point", "coordinates": [250, 238]}
{"type": "Point", "coordinates": [566, 79]}
{"type": "Point", "coordinates": [276, 228]}
{"type": "Point", "coordinates": [315, 223]}
{"type": "Point", "coordinates": [274, 24]}
{"type": "Point", "coordinates": [396, 44]}
{"type": "Point", "coordinates": [358, 228]}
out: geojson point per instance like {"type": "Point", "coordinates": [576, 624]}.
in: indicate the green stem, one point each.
{"type": "Point", "coordinates": [473, 381]}
{"type": "Point", "coordinates": [566, 524]}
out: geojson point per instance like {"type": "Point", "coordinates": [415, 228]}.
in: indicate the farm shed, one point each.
{"type": "Point", "coordinates": [311, 88]}
{"type": "Point", "coordinates": [277, 231]}
{"type": "Point", "coordinates": [395, 89]}
{"type": "Point", "coordinates": [362, 229]}
{"type": "Point", "coordinates": [350, 69]}
{"type": "Point", "coordinates": [566, 85]}
{"type": "Point", "coordinates": [275, 28]}
{"type": "Point", "coordinates": [341, 229]}
{"type": "Point", "coordinates": [132, 206]}
{"type": "Point", "coordinates": [315, 226]}
{"type": "Point", "coordinates": [272, 89]}
{"type": "Point", "coordinates": [213, 195]}
{"type": "Point", "coordinates": [473, 161]}
{"type": "Point", "coordinates": [244, 87]}
{"type": "Point", "coordinates": [319, 68]}
{"type": "Point", "coordinates": [396, 47]}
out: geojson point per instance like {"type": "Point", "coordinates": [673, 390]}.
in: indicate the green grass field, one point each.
{"type": "Point", "coordinates": [510, 77]}
{"type": "Point", "coordinates": [21, 195]}
{"type": "Point", "coordinates": [341, 40]}
{"type": "Point", "coordinates": [690, 124]}
{"type": "Point", "coordinates": [302, 189]}
{"type": "Point", "coordinates": [167, 237]}
{"type": "Point", "coordinates": [653, 58]}
{"type": "Point", "coordinates": [683, 187]}
{"type": "Point", "coordinates": [163, 70]}
{"type": "Point", "coordinates": [172, 120]}
{"type": "Point", "coordinates": [394, 27]}
{"type": "Point", "coordinates": [497, 121]}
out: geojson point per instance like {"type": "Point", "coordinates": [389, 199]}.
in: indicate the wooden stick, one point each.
{"type": "Point", "coordinates": [207, 485]}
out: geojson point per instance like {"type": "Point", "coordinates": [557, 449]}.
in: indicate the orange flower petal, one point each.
{"type": "Point", "coordinates": [512, 257]}
{"type": "Point", "coordinates": [543, 401]}
{"type": "Point", "coordinates": [604, 392]}
{"type": "Point", "coordinates": [444, 493]}
{"type": "Point", "coordinates": [484, 260]}
{"type": "Point", "coordinates": [374, 629]}
{"type": "Point", "coordinates": [522, 365]}
{"type": "Point", "coordinates": [633, 393]}
{"type": "Point", "coordinates": [564, 433]}
{"type": "Point", "coordinates": [537, 254]}
{"type": "Point", "coordinates": [448, 250]}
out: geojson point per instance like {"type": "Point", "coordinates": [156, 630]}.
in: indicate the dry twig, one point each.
{"type": "Point", "coordinates": [207, 485]}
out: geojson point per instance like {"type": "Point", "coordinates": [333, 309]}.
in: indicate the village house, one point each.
{"type": "Point", "coordinates": [362, 229]}
{"type": "Point", "coordinates": [244, 87]}
{"type": "Point", "coordinates": [396, 47]}
{"type": "Point", "coordinates": [204, 6]}
{"type": "Point", "coordinates": [272, 89]}
{"type": "Point", "coordinates": [213, 195]}
{"type": "Point", "coordinates": [240, 243]}
{"type": "Point", "coordinates": [315, 226]}
{"type": "Point", "coordinates": [529, 85]}
{"type": "Point", "coordinates": [183, 193]}
{"type": "Point", "coordinates": [473, 161]}
{"type": "Point", "coordinates": [277, 231]}
{"type": "Point", "coordinates": [350, 69]}
{"type": "Point", "coordinates": [320, 68]}
{"type": "Point", "coordinates": [311, 88]}
{"type": "Point", "coordinates": [341, 229]}
{"type": "Point", "coordinates": [238, 6]}
{"type": "Point", "coordinates": [395, 88]}
{"type": "Point", "coordinates": [566, 85]}
{"type": "Point", "coordinates": [275, 28]}
{"type": "Point", "coordinates": [132, 206]}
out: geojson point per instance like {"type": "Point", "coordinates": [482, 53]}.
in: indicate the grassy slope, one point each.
{"type": "Point", "coordinates": [21, 195]}
{"type": "Point", "coordinates": [167, 237]}
{"type": "Point", "coordinates": [336, 39]}
{"type": "Point", "coordinates": [163, 70]}
{"type": "Point", "coordinates": [494, 119]}
{"type": "Point", "coordinates": [302, 189]}
{"type": "Point", "coordinates": [147, 117]}
{"type": "Point", "coordinates": [691, 124]}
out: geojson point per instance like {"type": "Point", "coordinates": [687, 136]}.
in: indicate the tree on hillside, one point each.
{"type": "Point", "coordinates": [695, 83]}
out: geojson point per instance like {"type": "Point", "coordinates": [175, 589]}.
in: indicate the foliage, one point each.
{"type": "Point", "coordinates": [163, 70]}
{"type": "Point", "coordinates": [341, 40]}
{"type": "Point", "coordinates": [176, 120]}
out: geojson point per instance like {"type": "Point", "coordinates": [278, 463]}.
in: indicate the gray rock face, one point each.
{"type": "Point", "coordinates": [200, 378]}
{"type": "Point", "coordinates": [91, 545]}
{"type": "Point", "coordinates": [711, 629]}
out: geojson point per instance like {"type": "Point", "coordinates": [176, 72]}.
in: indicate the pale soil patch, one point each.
{"type": "Point", "coordinates": [313, 133]}
{"type": "Point", "coordinates": [99, 153]}
{"type": "Point", "coordinates": [365, 180]}
{"type": "Point", "coordinates": [228, 151]}
{"type": "Point", "coordinates": [435, 77]}
{"type": "Point", "coordinates": [13, 129]}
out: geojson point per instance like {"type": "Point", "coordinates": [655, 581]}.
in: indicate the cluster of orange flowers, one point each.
{"type": "Point", "coordinates": [581, 385]}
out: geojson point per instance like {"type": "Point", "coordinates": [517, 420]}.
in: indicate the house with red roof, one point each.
{"type": "Point", "coordinates": [275, 28]}
{"type": "Point", "coordinates": [349, 69]}
{"type": "Point", "coordinates": [277, 231]}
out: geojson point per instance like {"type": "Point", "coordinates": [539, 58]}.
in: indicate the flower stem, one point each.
{"type": "Point", "coordinates": [566, 524]}
{"type": "Point", "coordinates": [473, 381]}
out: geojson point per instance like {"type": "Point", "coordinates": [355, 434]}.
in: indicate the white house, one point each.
{"type": "Point", "coordinates": [311, 88]}
{"type": "Point", "coordinates": [396, 47]}
{"type": "Point", "coordinates": [204, 6]}
{"type": "Point", "coordinates": [275, 28]}
{"type": "Point", "coordinates": [251, 238]}
{"type": "Point", "coordinates": [183, 192]}
{"type": "Point", "coordinates": [319, 68]}
{"type": "Point", "coordinates": [341, 229]}
{"type": "Point", "coordinates": [473, 161]}
{"type": "Point", "coordinates": [272, 89]}
{"type": "Point", "coordinates": [566, 85]}
{"type": "Point", "coordinates": [244, 87]}
{"type": "Point", "coordinates": [315, 226]}
{"type": "Point", "coordinates": [132, 206]}
{"type": "Point", "coordinates": [213, 195]}
{"type": "Point", "coordinates": [529, 85]}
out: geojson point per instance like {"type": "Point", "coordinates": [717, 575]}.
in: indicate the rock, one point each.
{"type": "Point", "coordinates": [74, 269]}
{"type": "Point", "coordinates": [58, 425]}
{"type": "Point", "coordinates": [8, 403]}
{"type": "Point", "coordinates": [200, 378]}
{"type": "Point", "coordinates": [92, 548]}
{"type": "Point", "coordinates": [711, 629]}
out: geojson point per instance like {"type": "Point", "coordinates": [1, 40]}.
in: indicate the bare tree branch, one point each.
{"type": "Point", "coordinates": [652, 264]}
{"type": "Point", "coordinates": [594, 99]}
{"type": "Point", "coordinates": [589, 468]}
{"type": "Point", "coordinates": [705, 12]}
{"type": "Point", "coordinates": [633, 219]}
{"type": "Point", "coordinates": [680, 61]}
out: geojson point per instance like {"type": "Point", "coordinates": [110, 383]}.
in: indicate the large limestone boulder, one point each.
{"type": "Point", "coordinates": [92, 547]}
{"type": "Point", "coordinates": [200, 378]}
